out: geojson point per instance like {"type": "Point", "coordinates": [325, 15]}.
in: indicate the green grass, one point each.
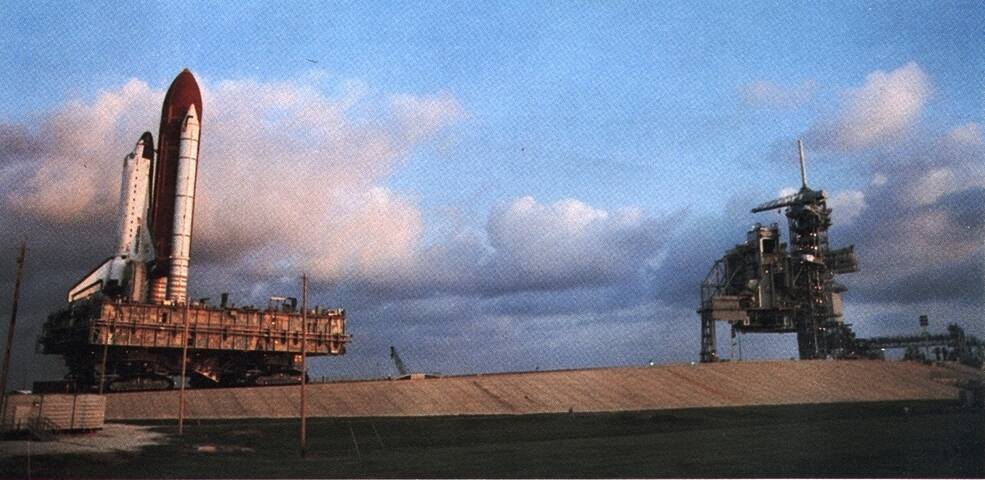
{"type": "Point", "coordinates": [933, 439]}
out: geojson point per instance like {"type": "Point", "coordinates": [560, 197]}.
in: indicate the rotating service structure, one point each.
{"type": "Point", "coordinates": [125, 324]}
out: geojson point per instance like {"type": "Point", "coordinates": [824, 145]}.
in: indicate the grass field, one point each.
{"type": "Point", "coordinates": [914, 439]}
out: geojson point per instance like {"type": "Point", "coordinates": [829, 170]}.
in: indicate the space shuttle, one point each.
{"type": "Point", "coordinates": [125, 270]}
{"type": "Point", "coordinates": [156, 209]}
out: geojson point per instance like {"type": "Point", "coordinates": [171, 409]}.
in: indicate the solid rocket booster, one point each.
{"type": "Point", "coordinates": [184, 205]}
{"type": "Point", "coordinates": [172, 206]}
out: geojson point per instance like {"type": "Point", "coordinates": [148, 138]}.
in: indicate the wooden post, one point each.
{"type": "Point", "coordinates": [71, 419]}
{"type": "Point", "coordinates": [184, 364]}
{"type": "Point", "coordinates": [10, 332]}
{"type": "Point", "coordinates": [304, 351]}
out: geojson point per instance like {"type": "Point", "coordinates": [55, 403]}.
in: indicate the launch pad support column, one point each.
{"type": "Point", "coordinates": [708, 353]}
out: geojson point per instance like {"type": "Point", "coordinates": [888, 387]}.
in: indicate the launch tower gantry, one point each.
{"type": "Point", "coordinates": [762, 286]}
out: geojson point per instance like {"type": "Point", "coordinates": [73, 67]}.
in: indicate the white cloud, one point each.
{"type": "Point", "coordinates": [846, 205]}
{"type": "Point", "coordinates": [73, 167]}
{"type": "Point", "coordinates": [881, 110]}
{"type": "Point", "coordinates": [301, 175]}
{"type": "Point", "coordinates": [968, 134]}
{"type": "Point", "coordinates": [926, 223]}
{"type": "Point", "coordinates": [786, 191]}
{"type": "Point", "coordinates": [930, 186]}
{"type": "Point", "coordinates": [764, 93]}
{"type": "Point", "coordinates": [569, 241]}
{"type": "Point", "coordinates": [530, 246]}
{"type": "Point", "coordinates": [289, 177]}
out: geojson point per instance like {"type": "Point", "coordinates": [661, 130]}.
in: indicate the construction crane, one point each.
{"type": "Point", "coordinates": [397, 361]}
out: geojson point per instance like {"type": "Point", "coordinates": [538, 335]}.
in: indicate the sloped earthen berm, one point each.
{"type": "Point", "coordinates": [727, 384]}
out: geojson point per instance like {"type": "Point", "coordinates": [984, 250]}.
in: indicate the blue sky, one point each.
{"type": "Point", "coordinates": [590, 92]}
{"type": "Point", "coordinates": [679, 115]}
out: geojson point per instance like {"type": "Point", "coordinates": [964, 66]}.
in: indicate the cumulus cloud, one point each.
{"type": "Point", "coordinates": [302, 176]}
{"type": "Point", "coordinates": [528, 246]}
{"type": "Point", "coordinates": [920, 223]}
{"type": "Point", "coordinates": [68, 168]}
{"type": "Point", "coordinates": [764, 93]}
{"type": "Point", "coordinates": [291, 180]}
{"type": "Point", "coordinates": [848, 205]}
{"type": "Point", "coordinates": [927, 187]}
{"type": "Point", "coordinates": [570, 242]}
{"type": "Point", "coordinates": [882, 109]}
{"type": "Point", "coordinates": [968, 134]}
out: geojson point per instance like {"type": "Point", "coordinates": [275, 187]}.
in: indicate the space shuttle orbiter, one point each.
{"type": "Point", "coordinates": [126, 270]}
{"type": "Point", "coordinates": [157, 201]}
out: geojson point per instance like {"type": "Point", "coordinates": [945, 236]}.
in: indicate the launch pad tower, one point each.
{"type": "Point", "coordinates": [762, 286]}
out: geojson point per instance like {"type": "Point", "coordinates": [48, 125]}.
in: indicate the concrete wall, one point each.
{"type": "Point", "coordinates": [595, 390]}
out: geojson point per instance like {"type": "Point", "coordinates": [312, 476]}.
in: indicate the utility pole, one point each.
{"type": "Point", "coordinates": [109, 339]}
{"type": "Point", "coordinates": [184, 364]}
{"type": "Point", "coordinates": [304, 351]}
{"type": "Point", "coordinates": [10, 332]}
{"type": "Point", "coordinates": [102, 373]}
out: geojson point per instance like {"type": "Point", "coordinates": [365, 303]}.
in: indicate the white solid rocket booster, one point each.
{"type": "Point", "coordinates": [184, 204]}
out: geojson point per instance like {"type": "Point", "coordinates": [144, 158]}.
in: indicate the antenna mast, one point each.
{"type": "Point", "coordinates": [803, 167]}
